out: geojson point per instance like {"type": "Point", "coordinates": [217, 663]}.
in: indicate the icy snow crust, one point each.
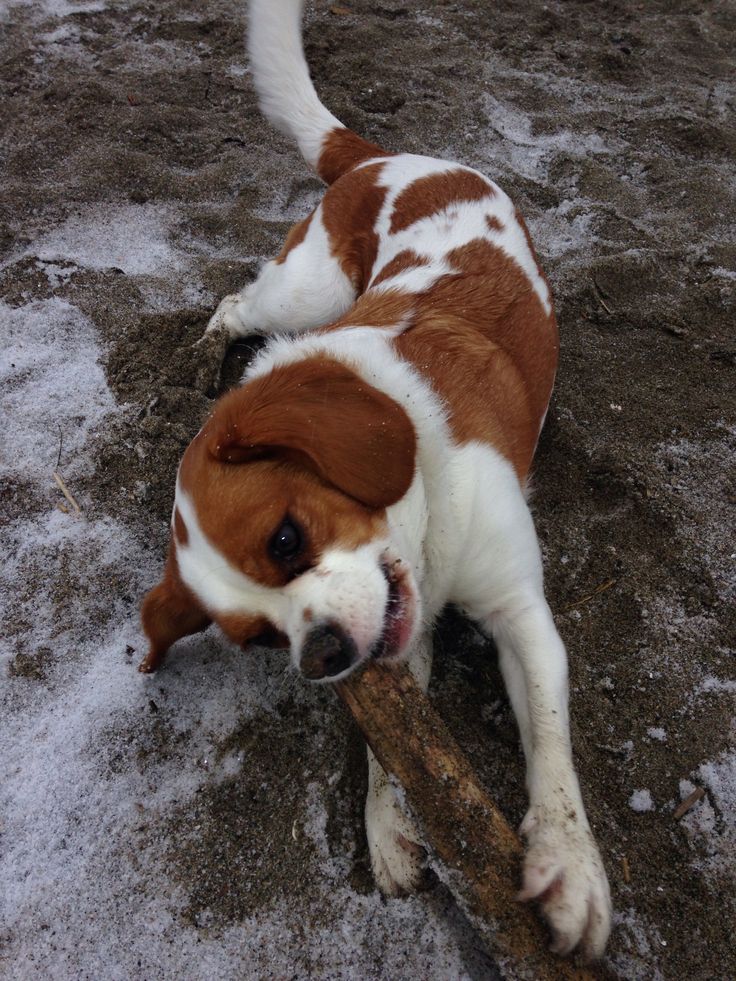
{"type": "Point", "coordinates": [86, 889]}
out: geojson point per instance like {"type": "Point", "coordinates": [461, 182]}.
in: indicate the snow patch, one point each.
{"type": "Point", "coordinates": [711, 825]}
{"type": "Point", "coordinates": [528, 153]}
{"type": "Point", "coordinates": [59, 8]}
{"type": "Point", "coordinates": [655, 732]}
{"type": "Point", "coordinates": [130, 237]}
{"type": "Point", "coordinates": [715, 685]}
{"type": "Point", "coordinates": [53, 387]}
{"type": "Point", "coordinates": [641, 941]}
{"type": "Point", "coordinates": [641, 801]}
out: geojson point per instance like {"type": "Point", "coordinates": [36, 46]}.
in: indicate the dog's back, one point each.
{"type": "Point", "coordinates": [433, 246]}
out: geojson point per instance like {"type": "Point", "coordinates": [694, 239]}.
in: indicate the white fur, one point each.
{"type": "Point", "coordinates": [464, 528]}
{"type": "Point", "coordinates": [292, 295]}
{"type": "Point", "coordinates": [285, 91]}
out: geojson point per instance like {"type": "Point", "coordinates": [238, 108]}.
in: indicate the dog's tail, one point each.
{"type": "Point", "coordinates": [287, 97]}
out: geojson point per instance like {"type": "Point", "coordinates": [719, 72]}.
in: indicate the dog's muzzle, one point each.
{"type": "Point", "coordinates": [327, 652]}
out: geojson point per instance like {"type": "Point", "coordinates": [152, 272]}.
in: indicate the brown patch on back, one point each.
{"type": "Point", "coordinates": [408, 259]}
{"type": "Point", "coordinates": [342, 150]}
{"type": "Point", "coordinates": [296, 235]}
{"type": "Point", "coordinates": [494, 224]}
{"type": "Point", "coordinates": [484, 341]}
{"type": "Point", "coordinates": [429, 195]}
{"type": "Point", "coordinates": [350, 209]}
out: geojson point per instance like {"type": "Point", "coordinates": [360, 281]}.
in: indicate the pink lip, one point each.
{"type": "Point", "coordinates": [398, 618]}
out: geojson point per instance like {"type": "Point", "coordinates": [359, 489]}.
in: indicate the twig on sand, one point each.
{"type": "Point", "coordinates": [586, 599]}
{"type": "Point", "coordinates": [690, 801]}
{"type": "Point", "coordinates": [626, 869]}
{"type": "Point", "coordinates": [602, 302]}
{"type": "Point", "coordinates": [66, 492]}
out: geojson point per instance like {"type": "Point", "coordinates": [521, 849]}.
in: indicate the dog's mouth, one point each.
{"type": "Point", "coordinates": [398, 617]}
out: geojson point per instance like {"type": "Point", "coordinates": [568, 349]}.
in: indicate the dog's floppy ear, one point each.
{"type": "Point", "coordinates": [322, 415]}
{"type": "Point", "coordinates": [169, 612]}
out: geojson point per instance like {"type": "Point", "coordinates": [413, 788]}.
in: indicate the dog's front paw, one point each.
{"type": "Point", "coordinates": [397, 856]}
{"type": "Point", "coordinates": [563, 871]}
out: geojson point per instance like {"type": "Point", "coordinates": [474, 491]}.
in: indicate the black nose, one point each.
{"type": "Point", "coordinates": [327, 651]}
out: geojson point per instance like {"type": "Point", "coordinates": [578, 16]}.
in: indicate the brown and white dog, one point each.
{"type": "Point", "coordinates": [372, 465]}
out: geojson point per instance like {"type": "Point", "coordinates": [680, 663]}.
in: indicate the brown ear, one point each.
{"type": "Point", "coordinates": [169, 612]}
{"type": "Point", "coordinates": [323, 415]}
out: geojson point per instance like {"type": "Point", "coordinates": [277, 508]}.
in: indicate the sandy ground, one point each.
{"type": "Point", "coordinates": [207, 823]}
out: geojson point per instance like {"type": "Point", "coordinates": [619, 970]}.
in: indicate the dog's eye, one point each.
{"type": "Point", "coordinates": [287, 543]}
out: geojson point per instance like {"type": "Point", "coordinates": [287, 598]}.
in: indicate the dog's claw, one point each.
{"type": "Point", "coordinates": [564, 873]}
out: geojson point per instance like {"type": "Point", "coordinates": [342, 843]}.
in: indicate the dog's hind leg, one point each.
{"type": "Point", "coordinates": [303, 288]}
{"type": "Point", "coordinates": [397, 855]}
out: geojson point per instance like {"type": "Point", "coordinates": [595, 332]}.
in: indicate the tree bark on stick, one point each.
{"type": "Point", "coordinates": [462, 825]}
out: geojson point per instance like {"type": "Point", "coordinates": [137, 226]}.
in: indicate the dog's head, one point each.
{"type": "Point", "coordinates": [279, 532]}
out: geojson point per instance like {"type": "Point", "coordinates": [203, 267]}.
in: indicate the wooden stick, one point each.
{"type": "Point", "coordinates": [468, 834]}
{"type": "Point", "coordinates": [690, 801]}
{"type": "Point", "coordinates": [586, 599]}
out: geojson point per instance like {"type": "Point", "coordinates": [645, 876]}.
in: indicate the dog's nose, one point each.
{"type": "Point", "coordinates": [327, 652]}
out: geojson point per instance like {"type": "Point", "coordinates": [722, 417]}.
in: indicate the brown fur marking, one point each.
{"type": "Point", "coordinates": [484, 341]}
{"type": "Point", "coordinates": [342, 150]}
{"type": "Point", "coordinates": [296, 235]}
{"type": "Point", "coordinates": [408, 259]}
{"type": "Point", "coordinates": [429, 195]}
{"type": "Point", "coordinates": [241, 505]}
{"type": "Point", "coordinates": [319, 414]}
{"type": "Point", "coordinates": [249, 631]}
{"type": "Point", "coordinates": [380, 309]}
{"type": "Point", "coordinates": [180, 529]}
{"type": "Point", "coordinates": [350, 209]}
{"type": "Point", "coordinates": [169, 612]}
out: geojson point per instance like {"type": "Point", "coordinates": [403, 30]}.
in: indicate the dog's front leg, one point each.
{"type": "Point", "coordinates": [563, 868]}
{"type": "Point", "coordinates": [397, 855]}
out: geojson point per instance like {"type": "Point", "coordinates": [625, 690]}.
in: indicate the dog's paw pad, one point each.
{"type": "Point", "coordinates": [564, 873]}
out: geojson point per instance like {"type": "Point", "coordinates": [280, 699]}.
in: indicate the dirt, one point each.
{"type": "Point", "coordinates": [611, 125]}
